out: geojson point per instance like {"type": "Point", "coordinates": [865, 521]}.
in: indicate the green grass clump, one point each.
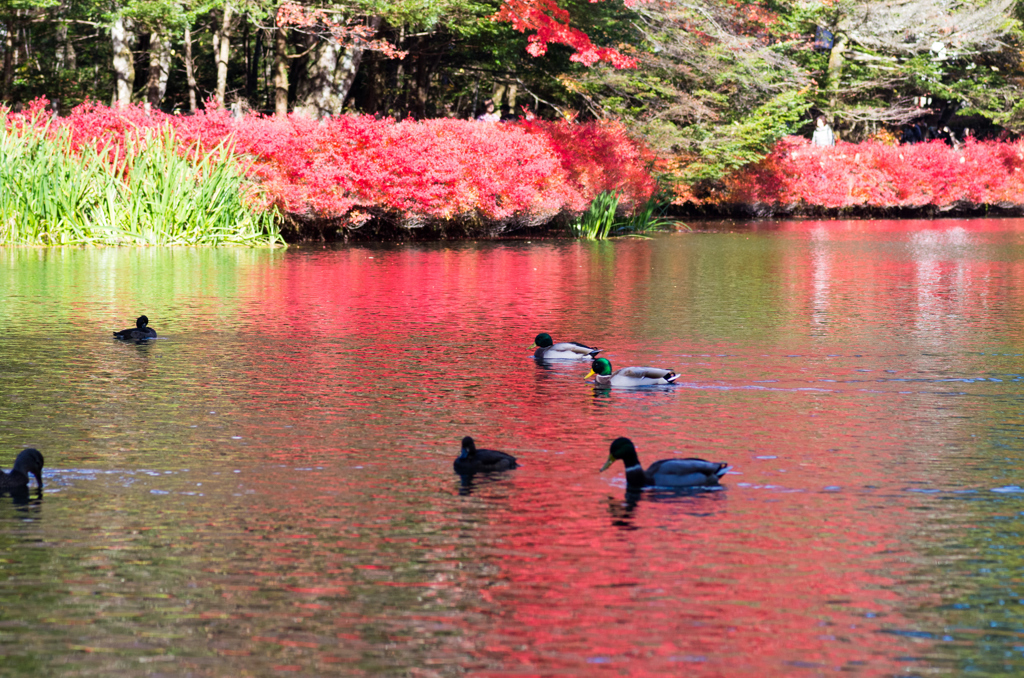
{"type": "Point", "coordinates": [597, 222]}
{"type": "Point", "coordinates": [600, 221]}
{"type": "Point", "coordinates": [151, 194]}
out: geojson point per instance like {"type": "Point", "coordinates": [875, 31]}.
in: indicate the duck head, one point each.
{"type": "Point", "coordinates": [30, 460]}
{"type": "Point", "coordinates": [542, 340]}
{"type": "Point", "coordinates": [622, 448]}
{"type": "Point", "coordinates": [600, 366]}
{"type": "Point", "coordinates": [468, 448]}
{"type": "Point", "coordinates": [141, 322]}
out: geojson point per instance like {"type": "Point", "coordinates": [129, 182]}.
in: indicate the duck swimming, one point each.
{"type": "Point", "coordinates": [601, 370]}
{"type": "Point", "coordinates": [140, 331]}
{"type": "Point", "coordinates": [472, 460]}
{"type": "Point", "coordinates": [565, 350]}
{"type": "Point", "coordinates": [29, 460]}
{"type": "Point", "coordinates": [690, 472]}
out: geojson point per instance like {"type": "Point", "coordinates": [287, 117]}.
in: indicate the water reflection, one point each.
{"type": "Point", "coordinates": [470, 482]}
{"type": "Point", "coordinates": [268, 487]}
{"type": "Point", "coordinates": [22, 496]}
{"type": "Point", "coordinates": [694, 502]}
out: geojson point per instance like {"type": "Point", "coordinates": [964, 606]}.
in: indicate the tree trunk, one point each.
{"type": "Point", "coordinates": [190, 74]}
{"type": "Point", "coordinates": [835, 66]}
{"type": "Point", "coordinates": [422, 86]}
{"type": "Point", "coordinates": [281, 73]}
{"type": "Point", "coordinates": [8, 76]}
{"type": "Point", "coordinates": [349, 66]}
{"type": "Point", "coordinates": [26, 48]}
{"type": "Point", "coordinates": [222, 52]}
{"type": "Point", "coordinates": [401, 96]}
{"type": "Point", "coordinates": [159, 67]}
{"type": "Point", "coordinates": [252, 75]}
{"type": "Point", "coordinates": [121, 38]}
{"type": "Point", "coordinates": [498, 95]}
{"type": "Point", "coordinates": [371, 93]}
{"type": "Point", "coordinates": [65, 53]}
{"type": "Point", "coordinates": [314, 93]}
{"type": "Point", "coordinates": [330, 74]}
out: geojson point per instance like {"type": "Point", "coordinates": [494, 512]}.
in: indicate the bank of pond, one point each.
{"type": "Point", "coordinates": [127, 175]}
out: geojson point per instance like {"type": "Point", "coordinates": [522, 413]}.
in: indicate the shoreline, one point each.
{"type": "Point", "coordinates": [298, 230]}
{"type": "Point", "coordinates": [767, 212]}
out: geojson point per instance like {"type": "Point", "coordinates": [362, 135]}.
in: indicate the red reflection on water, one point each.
{"type": "Point", "coordinates": [556, 573]}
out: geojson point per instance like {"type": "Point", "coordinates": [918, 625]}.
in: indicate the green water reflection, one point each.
{"type": "Point", "coordinates": [267, 488]}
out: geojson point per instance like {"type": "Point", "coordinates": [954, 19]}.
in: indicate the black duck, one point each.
{"type": "Point", "coordinates": [139, 332]}
{"type": "Point", "coordinates": [472, 460]}
{"type": "Point", "coordinates": [29, 461]}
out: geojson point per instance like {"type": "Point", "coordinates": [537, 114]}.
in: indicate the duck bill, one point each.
{"type": "Point", "coordinates": [611, 460]}
{"type": "Point", "coordinates": [534, 346]}
{"type": "Point", "coordinates": [590, 374]}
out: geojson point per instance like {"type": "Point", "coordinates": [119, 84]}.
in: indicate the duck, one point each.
{"type": "Point", "coordinates": [689, 472]}
{"type": "Point", "coordinates": [472, 460]}
{"type": "Point", "coordinates": [564, 350]}
{"type": "Point", "coordinates": [140, 331]}
{"type": "Point", "coordinates": [601, 370]}
{"type": "Point", "coordinates": [29, 460]}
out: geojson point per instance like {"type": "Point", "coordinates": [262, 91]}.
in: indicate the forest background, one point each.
{"type": "Point", "coordinates": [710, 87]}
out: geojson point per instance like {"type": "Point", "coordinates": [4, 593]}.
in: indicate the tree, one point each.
{"type": "Point", "coordinates": [550, 24]}
{"type": "Point", "coordinates": [719, 82]}
{"type": "Point", "coordinates": [122, 38]}
{"type": "Point", "coordinates": [715, 86]}
{"type": "Point", "coordinates": [337, 43]}
{"type": "Point", "coordinates": [885, 54]}
{"type": "Point", "coordinates": [149, 25]}
{"type": "Point", "coordinates": [15, 18]}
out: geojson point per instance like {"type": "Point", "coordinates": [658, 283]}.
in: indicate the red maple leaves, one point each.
{"type": "Point", "coordinates": [325, 24]}
{"type": "Point", "coordinates": [551, 24]}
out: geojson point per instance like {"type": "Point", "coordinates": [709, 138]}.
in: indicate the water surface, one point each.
{"type": "Point", "coordinates": [267, 488]}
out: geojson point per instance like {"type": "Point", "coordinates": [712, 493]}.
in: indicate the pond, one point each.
{"type": "Point", "coordinates": [267, 488]}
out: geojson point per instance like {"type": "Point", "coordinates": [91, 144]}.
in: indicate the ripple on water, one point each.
{"type": "Point", "coordinates": [269, 488]}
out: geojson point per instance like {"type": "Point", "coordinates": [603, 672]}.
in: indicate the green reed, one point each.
{"type": "Point", "coordinates": [150, 194]}
{"type": "Point", "coordinates": [600, 221]}
{"type": "Point", "coordinates": [648, 217]}
{"type": "Point", "coordinates": [597, 222]}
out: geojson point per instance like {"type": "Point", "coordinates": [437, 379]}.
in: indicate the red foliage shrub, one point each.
{"type": "Point", "coordinates": [872, 174]}
{"type": "Point", "coordinates": [432, 170]}
{"type": "Point", "coordinates": [600, 156]}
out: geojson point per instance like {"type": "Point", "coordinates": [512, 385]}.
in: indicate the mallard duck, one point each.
{"type": "Point", "coordinates": [30, 460]}
{"type": "Point", "coordinates": [690, 472]}
{"type": "Point", "coordinates": [564, 350]}
{"type": "Point", "coordinates": [472, 460]}
{"type": "Point", "coordinates": [601, 370]}
{"type": "Point", "coordinates": [140, 331]}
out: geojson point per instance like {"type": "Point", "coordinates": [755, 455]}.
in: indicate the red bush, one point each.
{"type": "Point", "coordinates": [873, 174]}
{"type": "Point", "coordinates": [432, 170]}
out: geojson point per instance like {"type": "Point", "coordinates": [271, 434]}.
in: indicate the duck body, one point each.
{"type": "Point", "coordinates": [603, 375]}
{"type": "Point", "coordinates": [473, 460]}
{"type": "Point", "coordinates": [29, 461]}
{"type": "Point", "coordinates": [689, 472]}
{"type": "Point", "coordinates": [139, 332]}
{"type": "Point", "coordinates": [564, 350]}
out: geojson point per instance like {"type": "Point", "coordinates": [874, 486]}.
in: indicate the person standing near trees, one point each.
{"type": "Point", "coordinates": [489, 114]}
{"type": "Point", "coordinates": [823, 135]}
{"type": "Point", "coordinates": [948, 136]}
